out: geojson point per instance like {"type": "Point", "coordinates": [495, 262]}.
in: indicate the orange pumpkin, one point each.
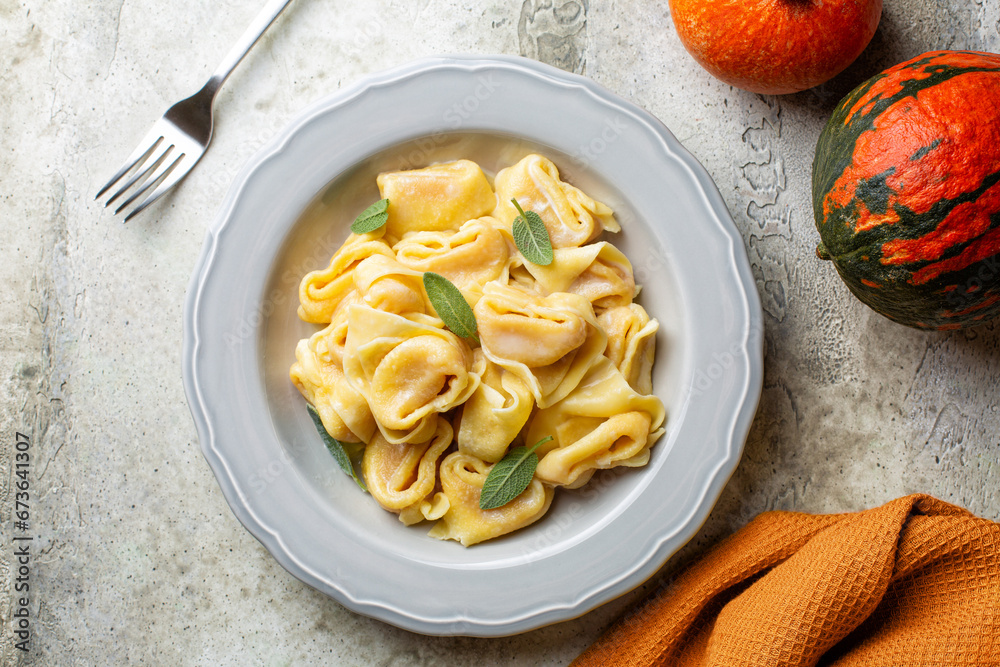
{"type": "Point", "coordinates": [775, 46]}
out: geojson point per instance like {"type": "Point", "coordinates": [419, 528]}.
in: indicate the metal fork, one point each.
{"type": "Point", "coordinates": [178, 140]}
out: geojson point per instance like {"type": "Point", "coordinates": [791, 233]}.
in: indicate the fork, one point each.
{"type": "Point", "coordinates": [178, 140]}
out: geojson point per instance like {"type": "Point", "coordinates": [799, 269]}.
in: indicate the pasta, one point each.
{"type": "Point", "coordinates": [631, 343]}
{"type": "Point", "coordinates": [571, 217]}
{"type": "Point", "coordinates": [470, 257]}
{"type": "Point", "coordinates": [408, 369]}
{"type": "Point", "coordinates": [320, 292]}
{"type": "Point", "coordinates": [384, 284]}
{"type": "Point", "coordinates": [598, 271]}
{"type": "Point", "coordinates": [495, 413]}
{"type": "Point", "coordinates": [603, 423]}
{"type": "Point", "coordinates": [462, 478]}
{"type": "Point", "coordinates": [547, 341]}
{"type": "Point", "coordinates": [436, 198]}
{"type": "Point", "coordinates": [319, 376]}
{"type": "Point", "coordinates": [564, 354]}
{"type": "Point", "coordinates": [401, 476]}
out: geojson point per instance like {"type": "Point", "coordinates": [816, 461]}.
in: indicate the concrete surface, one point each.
{"type": "Point", "coordinates": [137, 558]}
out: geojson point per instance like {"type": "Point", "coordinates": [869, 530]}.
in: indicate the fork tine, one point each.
{"type": "Point", "coordinates": [170, 181]}
{"type": "Point", "coordinates": [156, 179]}
{"type": "Point", "coordinates": [138, 156]}
{"type": "Point", "coordinates": [142, 175]}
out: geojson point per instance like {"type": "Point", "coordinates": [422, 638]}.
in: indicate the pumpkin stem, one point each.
{"type": "Point", "coordinates": [822, 252]}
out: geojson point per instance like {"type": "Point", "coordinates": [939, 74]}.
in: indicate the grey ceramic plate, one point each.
{"type": "Point", "coordinates": [290, 208]}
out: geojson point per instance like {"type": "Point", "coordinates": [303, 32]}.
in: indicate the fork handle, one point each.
{"type": "Point", "coordinates": [253, 32]}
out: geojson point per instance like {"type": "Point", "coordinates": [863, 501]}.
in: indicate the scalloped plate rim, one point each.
{"type": "Point", "coordinates": [751, 347]}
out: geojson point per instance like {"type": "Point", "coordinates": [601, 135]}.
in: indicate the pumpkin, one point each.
{"type": "Point", "coordinates": [906, 190]}
{"type": "Point", "coordinates": [775, 46]}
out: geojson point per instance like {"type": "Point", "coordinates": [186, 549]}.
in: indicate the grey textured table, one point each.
{"type": "Point", "coordinates": [138, 560]}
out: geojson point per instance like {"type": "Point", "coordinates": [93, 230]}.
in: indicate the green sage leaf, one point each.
{"type": "Point", "coordinates": [371, 218]}
{"type": "Point", "coordinates": [450, 305]}
{"type": "Point", "coordinates": [510, 476]}
{"type": "Point", "coordinates": [336, 447]}
{"type": "Point", "coordinates": [531, 237]}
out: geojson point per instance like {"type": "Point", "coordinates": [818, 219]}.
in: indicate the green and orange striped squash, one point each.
{"type": "Point", "coordinates": [906, 190]}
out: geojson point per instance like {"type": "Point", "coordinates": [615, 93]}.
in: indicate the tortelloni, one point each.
{"type": "Point", "coordinates": [549, 342]}
{"type": "Point", "coordinates": [495, 413]}
{"type": "Point", "coordinates": [319, 376]}
{"type": "Point", "coordinates": [320, 292]}
{"type": "Point", "coordinates": [385, 284]}
{"type": "Point", "coordinates": [598, 271]}
{"type": "Point", "coordinates": [462, 479]}
{"type": "Point", "coordinates": [562, 349]}
{"type": "Point", "coordinates": [408, 369]}
{"type": "Point", "coordinates": [603, 423]}
{"type": "Point", "coordinates": [402, 476]}
{"type": "Point", "coordinates": [631, 343]}
{"type": "Point", "coordinates": [471, 257]}
{"type": "Point", "coordinates": [571, 217]}
{"type": "Point", "coordinates": [436, 198]}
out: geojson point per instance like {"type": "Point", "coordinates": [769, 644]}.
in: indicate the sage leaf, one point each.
{"type": "Point", "coordinates": [531, 237]}
{"type": "Point", "coordinates": [336, 447]}
{"type": "Point", "coordinates": [371, 218]}
{"type": "Point", "coordinates": [450, 305]}
{"type": "Point", "coordinates": [510, 476]}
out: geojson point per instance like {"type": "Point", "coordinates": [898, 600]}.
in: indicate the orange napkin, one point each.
{"type": "Point", "coordinates": [914, 582]}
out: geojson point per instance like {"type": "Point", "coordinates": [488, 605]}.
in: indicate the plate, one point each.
{"type": "Point", "coordinates": [290, 208]}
